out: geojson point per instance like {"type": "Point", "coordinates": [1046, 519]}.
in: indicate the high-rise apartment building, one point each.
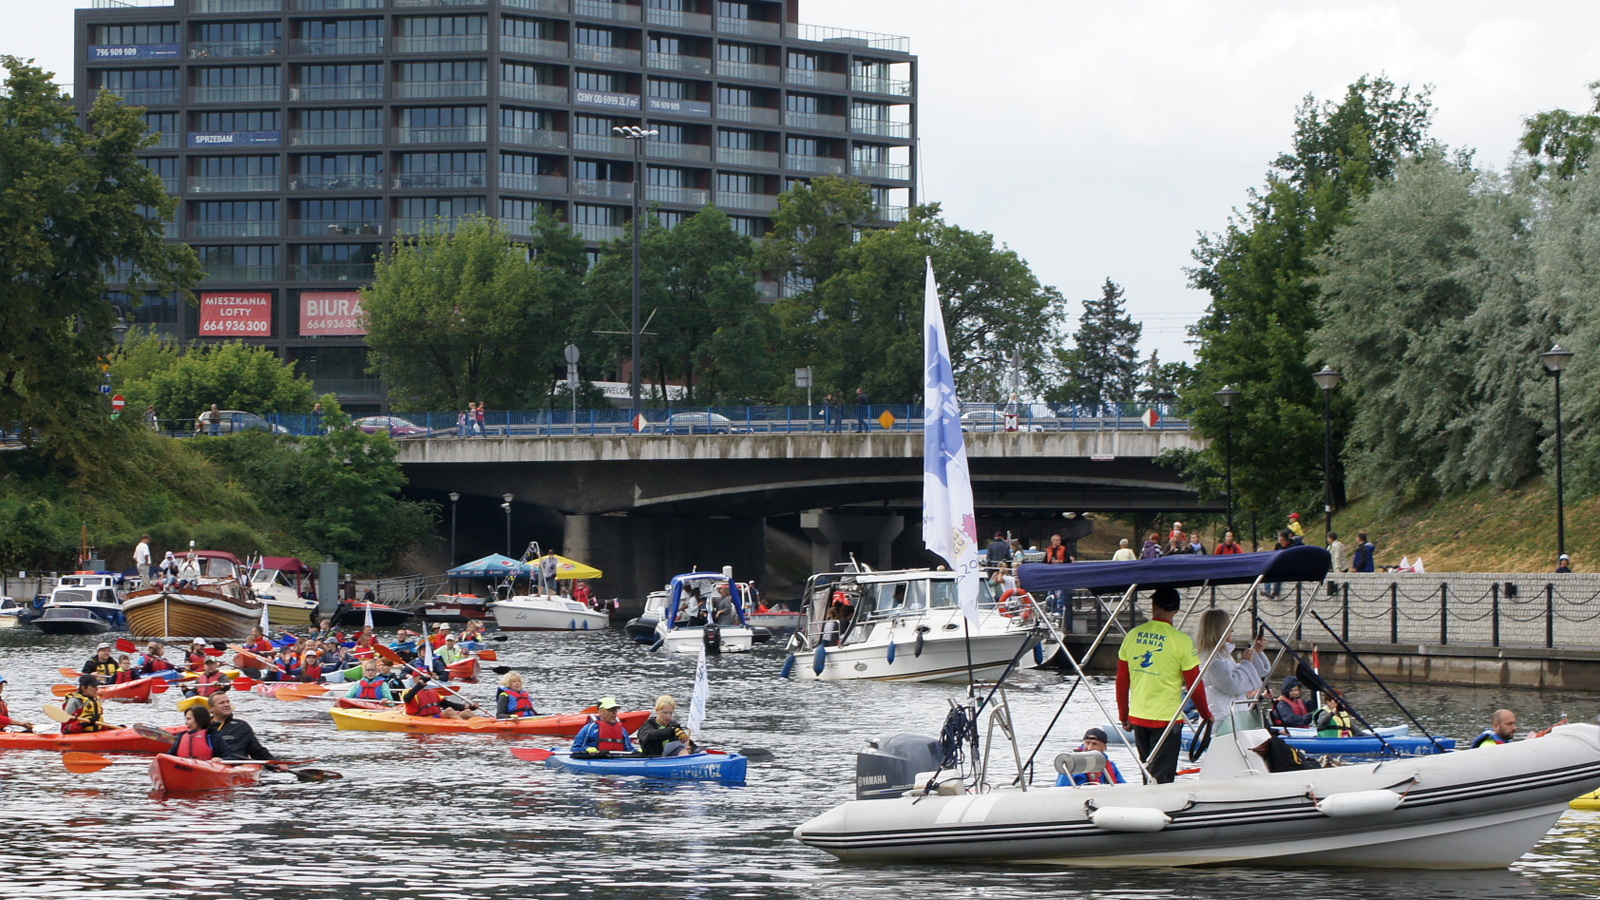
{"type": "Point", "coordinates": [301, 135]}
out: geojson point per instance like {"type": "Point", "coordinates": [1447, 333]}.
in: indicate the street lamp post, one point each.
{"type": "Point", "coordinates": [1328, 379]}
{"type": "Point", "coordinates": [454, 496]}
{"type": "Point", "coordinates": [1555, 361]}
{"type": "Point", "coordinates": [1226, 396]}
{"type": "Point", "coordinates": [507, 507]}
{"type": "Point", "coordinates": [637, 135]}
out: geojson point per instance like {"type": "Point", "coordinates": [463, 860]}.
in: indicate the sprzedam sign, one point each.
{"type": "Point", "coordinates": [236, 315]}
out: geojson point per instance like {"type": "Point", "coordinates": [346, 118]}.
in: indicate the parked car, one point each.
{"type": "Point", "coordinates": [393, 425]}
{"type": "Point", "coordinates": [230, 420]}
{"type": "Point", "coordinates": [991, 420]}
{"type": "Point", "coordinates": [699, 423]}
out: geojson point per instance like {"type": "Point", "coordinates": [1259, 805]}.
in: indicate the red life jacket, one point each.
{"type": "Point", "coordinates": [197, 661]}
{"type": "Point", "coordinates": [1054, 554]}
{"type": "Point", "coordinates": [123, 676]}
{"type": "Point", "coordinates": [613, 737]}
{"type": "Point", "coordinates": [261, 646]}
{"type": "Point", "coordinates": [370, 689]}
{"type": "Point", "coordinates": [519, 704]}
{"type": "Point", "coordinates": [206, 685]}
{"type": "Point", "coordinates": [194, 745]}
{"type": "Point", "coordinates": [156, 663]}
{"type": "Point", "coordinates": [424, 703]}
{"type": "Point", "coordinates": [311, 673]}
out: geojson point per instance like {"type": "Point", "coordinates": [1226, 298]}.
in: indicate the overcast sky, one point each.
{"type": "Point", "coordinates": [1096, 139]}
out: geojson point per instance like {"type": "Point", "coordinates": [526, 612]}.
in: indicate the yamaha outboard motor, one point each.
{"type": "Point", "coordinates": [711, 635]}
{"type": "Point", "coordinates": [889, 767]}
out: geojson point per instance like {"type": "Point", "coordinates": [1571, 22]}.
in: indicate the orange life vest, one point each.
{"type": "Point", "coordinates": [194, 745]}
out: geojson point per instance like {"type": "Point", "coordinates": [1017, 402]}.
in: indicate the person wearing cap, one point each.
{"type": "Point", "coordinates": [101, 665]}
{"type": "Point", "coordinates": [1295, 527]}
{"type": "Point", "coordinates": [1156, 664]}
{"type": "Point", "coordinates": [604, 734]}
{"type": "Point", "coordinates": [1094, 740]}
{"type": "Point", "coordinates": [83, 707]}
{"type": "Point", "coordinates": [425, 701]}
{"type": "Point", "coordinates": [197, 655]}
{"type": "Point", "coordinates": [210, 680]}
{"type": "Point", "coordinates": [1564, 564]}
{"type": "Point", "coordinates": [5, 712]}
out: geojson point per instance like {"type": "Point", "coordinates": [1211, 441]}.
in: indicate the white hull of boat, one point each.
{"type": "Point", "coordinates": [687, 639]}
{"type": "Point", "coordinates": [544, 612]}
{"type": "Point", "coordinates": [942, 659]}
{"type": "Point", "coordinates": [1480, 809]}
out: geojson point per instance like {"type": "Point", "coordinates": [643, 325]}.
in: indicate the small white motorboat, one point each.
{"type": "Point", "coordinates": [546, 612]}
{"type": "Point", "coordinates": [704, 609]}
{"type": "Point", "coordinates": [83, 603]}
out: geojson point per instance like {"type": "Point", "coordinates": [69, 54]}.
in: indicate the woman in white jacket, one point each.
{"type": "Point", "coordinates": [1228, 681]}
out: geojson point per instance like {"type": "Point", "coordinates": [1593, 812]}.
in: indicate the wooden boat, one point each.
{"type": "Point", "coordinates": [116, 740]}
{"type": "Point", "coordinates": [397, 720]}
{"type": "Point", "coordinates": [210, 601]}
{"type": "Point", "coordinates": [694, 767]}
{"type": "Point", "coordinates": [178, 774]}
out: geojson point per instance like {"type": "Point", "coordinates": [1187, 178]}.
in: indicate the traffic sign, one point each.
{"type": "Point", "coordinates": [1150, 417]}
{"type": "Point", "coordinates": [571, 353]}
{"type": "Point", "coordinates": [117, 403]}
{"type": "Point", "coordinates": [105, 389]}
{"type": "Point", "coordinates": [886, 421]}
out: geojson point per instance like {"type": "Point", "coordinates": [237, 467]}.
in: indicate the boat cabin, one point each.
{"type": "Point", "coordinates": [847, 605]}
{"type": "Point", "coordinates": [688, 596]}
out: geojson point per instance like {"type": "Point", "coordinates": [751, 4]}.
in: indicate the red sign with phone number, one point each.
{"type": "Point", "coordinates": [246, 314]}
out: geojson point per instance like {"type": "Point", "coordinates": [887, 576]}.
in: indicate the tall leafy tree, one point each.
{"type": "Point", "coordinates": [76, 202]}
{"type": "Point", "coordinates": [180, 382]}
{"type": "Point", "coordinates": [1558, 142]}
{"type": "Point", "coordinates": [1103, 364]}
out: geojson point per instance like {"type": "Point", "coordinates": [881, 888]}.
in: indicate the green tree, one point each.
{"type": "Point", "coordinates": [1103, 364]}
{"type": "Point", "coordinates": [77, 203]}
{"type": "Point", "coordinates": [1558, 142]}
{"type": "Point", "coordinates": [1260, 274]}
{"type": "Point", "coordinates": [181, 382]}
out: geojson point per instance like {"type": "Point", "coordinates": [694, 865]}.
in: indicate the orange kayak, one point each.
{"type": "Point", "coordinates": [135, 691]}
{"type": "Point", "coordinates": [116, 740]}
{"type": "Point", "coordinates": [178, 773]}
{"type": "Point", "coordinates": [463, 669]}
{"type": "Point", "coordinates": [397, 720]}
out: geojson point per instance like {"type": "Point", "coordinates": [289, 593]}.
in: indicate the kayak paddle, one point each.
{"type": "Point", "coordinates": [488, 656]}
{"type": "Point", "coordinates": [57, 714]}
{"type": "Point", "coordinates": [533, 754]}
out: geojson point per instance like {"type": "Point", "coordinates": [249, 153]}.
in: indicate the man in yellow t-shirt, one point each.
{"type": "Point", "coordinates": [1156, 664]}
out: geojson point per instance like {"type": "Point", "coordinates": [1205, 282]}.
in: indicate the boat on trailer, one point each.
{"type": "Point", "coordinates": [1480, 809]}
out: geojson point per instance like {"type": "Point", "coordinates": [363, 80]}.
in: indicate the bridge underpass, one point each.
{"type": "Point", "coordinates": [645, 507]}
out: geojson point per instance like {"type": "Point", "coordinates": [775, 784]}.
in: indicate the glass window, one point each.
{"type": "Point", "coordinates": [669, 218]}
{"type": "Point", "coordinates": [522, 73]}
{"type": "Point", "coordinates": [662, 43]}
{"type": "Point", "coordinates": [804, 103]}
{"type": "Point", "coordinates": [159, 33]}
{"type": "Point", "coordinates": [585, 80]}
{"type": "Point", "coordinates": [316, 254]}
{"type": "Point", "coordinates": [148, 308]}
{"type": "Point", "coordinates": [511, 117]}
{"type": "Point", "coordinates": [665, 176]}
{"type": "Point", "coordinates": [441, 116]}
{"type": "Point", "coordinates": [746, 226]}
{"type": "Point", "coordinates": [233, 166]}
{"type": "Point", "coordinates": [449, 207]}
{"type": "Point", "coordinates": [236, 76]}
{"type": "Point", "coordinates": [359, 74]}
{"type": "Point", "coordinates": [222, 32]}
{"type": "Point", "coordinates": [730, 139]}
{"type": "Point", "coordinates": [799, 146]}
{"type": "Point", "coordinates": [163, 123]}
{"type": "Point", "coordinates": [252, 120]}
{"type": "Point", "coordinates": [671, 90]}
{"type": "Point", "coordinates": [526, 164]}
{"type": "Point", "coordinates": [454, 70]}
{"type": "Point", "coordinates": [165, 167]}
{"type": "Point", "coordinates": [730, 9]}
{"type": "Point", "coordinates": [234, 211]}
{"type": "Point", "coordinates": [734, 96]}
{"type": "Point", "coordinates": [253, 255]}
{"type": "Point", "coordinates": [593, 125]}
{"type": "Point", "coordinates": [514, 208]}
{"type": "Point", "coordinates": [805, 62]}
{"type": "Point", "coordinates": [736, 183]}
{"type": "Point", "coordinates": [344, 210]}
{"type": "Point", "coordinates": [341, 28]}
{"type": "Point", "coordinates": [467, 161]}
{"type": "Point", "coordinates": [317, 119]}
{"type": "Point", "coordinates": [595, 170]}
{"type": "Point", "coordinates": [124, 80]}
{"type": "Point", "coordinates": [674, 134]}
{"type": "Point", "coordinates": [586, 214]}
{"type": "Point", "coordinates": [538, 29]}
{"type": "Point", "coordinates": [340, 164]}
{"type": "Point", "coordinates": [594, 37]}
{"type": "Point", "coordinates": [745, 53]}
{"type": "Point", "coordinates": [440, 26]}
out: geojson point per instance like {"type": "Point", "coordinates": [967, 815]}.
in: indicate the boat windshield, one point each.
{"type": "Point", "coordinates": [904, 597]}
{"type": "Point", "coordinates": [61, 596]}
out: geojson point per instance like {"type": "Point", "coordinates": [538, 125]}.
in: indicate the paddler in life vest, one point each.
{"type": "Point", "coordinates": [154, 659]}
{"type": "Point", "coordinates": [197, 655]}
{"type": "Point", "coordinates": [209, 681]}
{"type": "Point", "coordinates": [1502, 728]}
{"type": "Point", "coordinates": [125, 671]}
{"type": "Point", "coordinates": [660, 735]}
{"type": "Point", "coordinates": [5, 712]}
{"type": "Point", "coordinates": [605, 734]}
{"type": "Point", "coordinates": [1093, 740]}
{"type": "Point", "coordinates": [83, 705]}
{"type": "Point", "coordinates": [426, 701]}
{"type": "Point", "coordinates": [199, 739]}
{"type": "Point", "coordinates": [101, 665]}
{"type": "Point", "coordinates": [1291, 709]}
{"type": "Point", "coordinates": [1332, 719]}
{"type": "Point", "coordinates": [236, 734]}
{"type": "Point", "coordinates": [373, 684]}
{"type": "Point", "coordinates": [511, 701]}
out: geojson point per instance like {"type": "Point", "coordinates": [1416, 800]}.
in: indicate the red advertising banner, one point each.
{"type": "Point", "coordinates": [246, 314]}
{"type": "Point", "coordinates": [331, 312]}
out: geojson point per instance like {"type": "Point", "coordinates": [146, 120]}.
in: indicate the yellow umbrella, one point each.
{"type": "Point", "coordinates": [570, 569]}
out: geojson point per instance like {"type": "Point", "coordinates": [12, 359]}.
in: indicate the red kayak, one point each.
{"type": "Point", "coordinates": [356, 703]}
{"type": "Point", "coordinates": [464, 669]}
{"type": "Point", "coordinates": [116, 740]}
{"type": "Point", "coordinates": [177, 773]}
{"type": "Point", "coordinates": [135, 691]}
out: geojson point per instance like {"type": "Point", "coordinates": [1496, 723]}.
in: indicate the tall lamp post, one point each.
{"type": "Point", "coordinates": [1328, 379]}
{"type": "Point", "coordinates": [454, 496]}
{"type": "Point", "coordinates": [637, 135]}
{"type": "Point", "coordinates": [1555, 361]}
{"type": "Point", "coordinates": [507, 507]}
{"type": "Point", "coordinates": [1226, 396]}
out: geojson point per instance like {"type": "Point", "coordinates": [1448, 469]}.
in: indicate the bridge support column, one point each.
{"type": "Point", "coordinates": [830, 532]}
{"type": "Point", "coordinates": [640, 553]}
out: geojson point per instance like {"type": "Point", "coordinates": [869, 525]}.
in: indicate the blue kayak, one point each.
{"type": "Point", "coordinates": [694, 767]}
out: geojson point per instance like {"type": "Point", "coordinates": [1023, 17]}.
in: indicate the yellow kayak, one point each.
{"type": "Point", "coordinates": [1590, 800]}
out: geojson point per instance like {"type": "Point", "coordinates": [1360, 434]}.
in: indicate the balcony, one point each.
{"type": "Point", "coordinates": [766, 159]}
{"type": "Point", "coordinates": [372, 90]}
{"type": "Point", "coordinates": [674, 150]}
{"type": "Point", "coordinates": [814, 122]}
{"type": "Point", "coordinates": [894, 214]}
{"type": "Point", "coordinates": [831, 81]}
{"type": "Point", "coordinates": [818, 165]}
{"type": "Point", "coordinates": [320, 5]}
{"type": "Point", "coordinates": [145, 96]}
{"type": "Point", "coordinates": [337, 271]}
{"type": "Point", "coordinates": [884, 170]}
{"type": "Point", "coordinates": [231, 184]}
{"type": "Point", "coordinates": [242, 93]}
{"type": "Point", "coordinates": [431, 223]}
{"type": "Point", "coordinates": [520, 90]}
{"type": "Point", "coordinates": [602, 143]}
{"type": "Point", "coordinates": [172, 184]}
{"type": "Point", "coordinates": [677, 62]}
{"type": "Point", "coordinates": [415, 4]}
{"type": "Point", "coordinates": [340, 181]}
{"type": "Point", "coordinates": [763, 203]}
{"type": "Point", "coordinates": [555, 6]}
{"type": "Point", "coordinates": [442, 43]}
{"type": "Point", "coordinates": [415, 90]}
{"type": "Point", "coordinates": [537, 184]}
{"type": "Point", "coordinates": [236, 6]}
{"type": "Point", "coordinates": [443, 134]}
{"type": "Point", "coordinates": [617, 56]}
{"type": "Point", "coordinates": [678, 196]}
{"type": "Point", "coordinates": [597, 232]}
{"type": "Point", "coordinates": [532, 137]}
{"type": "Point", "coordinates": [337, 227]}
{"type": "Point", "coordinates": [867, 84]}
{"type": "Point", "coordinates": [850, 39]}
{"type": "Point", "coordinates": [610, 190]}
{"type": "Point", "coordinates": [675, 19]}
{"type": "Point", "coordinates": [420, 180]}
{"type": "Point", "coordinates": [600, 9]}
{"type": "Point", "coordinates": [527, 46]}
{"type": "Point", "coordinates": [233, 49]}
{"type": "Point", "coordinates": [335, 137]}
{"type": "Point", "coordinates": [746, 71]}
{"type": "Point", "coordinates": [166, 140]}
{"type": "Point", "coordinates": [240, 274]}
{"type": "Point", "coordinates": [880, 127]}
{"type": "Point", "coordinates": [336, 46]}
{"type": "Point", "coordinates": [245, 228]}
{"type": "Point", "coordinates": [754, 115]}
{"type": "Point", "coordinates": [755, 28]}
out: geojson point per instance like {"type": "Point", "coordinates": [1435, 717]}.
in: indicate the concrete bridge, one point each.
{"type": "Point", "coordinates": [646, 506]}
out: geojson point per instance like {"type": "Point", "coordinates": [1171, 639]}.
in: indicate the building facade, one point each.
{"type": "Point", "coordinates": [302, 135]}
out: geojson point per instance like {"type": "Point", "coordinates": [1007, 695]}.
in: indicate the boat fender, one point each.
{"type": "Point", "coordinates": [788, 667]}
{"type": "Point", "coordinates": [917, 652]}
{"type": "Point", "coordinates": [1038, 654]}
{"type": "Point", "coordinates": [1347, 804]}
{"type": "Point", "coordinates": [572, 624]}
{"type": "Point", "coordinates": [585, 624]}
{"type": "Point", "coordinates": [889, 656]}
{"type": "Point", "coordinates": [1129, 818]}
{"type": "Point", "coordinates": [820, 659]}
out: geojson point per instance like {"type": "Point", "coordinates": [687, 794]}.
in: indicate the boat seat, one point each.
{"type": "Point", "coordinates": [948, 786]}
{"type": "Point", "coordinates": [1081, 762]}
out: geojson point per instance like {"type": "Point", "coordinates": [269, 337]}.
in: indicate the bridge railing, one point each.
{"type": "Point", "coordinates": [744, 420]}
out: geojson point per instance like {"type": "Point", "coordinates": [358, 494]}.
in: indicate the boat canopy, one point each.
{"type": "Point", "coordinates": [705, 586]}
{"type": "Point", "coordinates": [285, 564]}
{"type": "Point", "coordinates": [1291, 564]}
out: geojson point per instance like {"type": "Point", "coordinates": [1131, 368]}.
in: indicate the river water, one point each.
{"type": "Point", "coordinates": [457, 816]}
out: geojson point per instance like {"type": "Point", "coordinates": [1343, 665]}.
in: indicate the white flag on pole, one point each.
{"type": "Point", "coordinates": [702, 694]}
{"type": "Point", "coordinates": [367, 620]}
{"type": "Point", "coordinates": [949, 522]}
